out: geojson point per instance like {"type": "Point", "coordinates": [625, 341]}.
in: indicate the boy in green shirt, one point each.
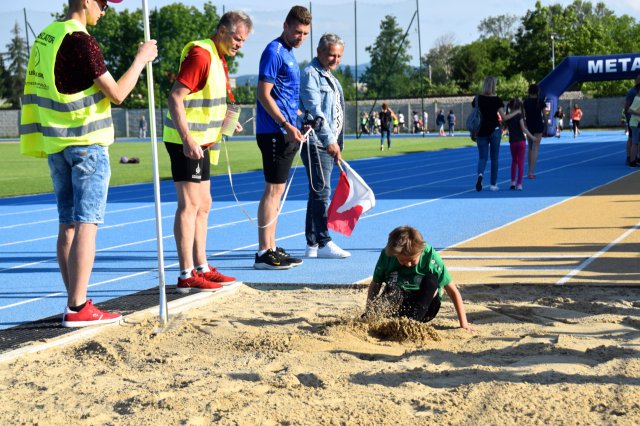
{"type": "Point", "coordinates": [414, 275]}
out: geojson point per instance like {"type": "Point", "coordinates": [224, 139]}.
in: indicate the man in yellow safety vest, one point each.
{"type": "Point", "coordinates": [66, 117]}
{"type": "Point", "coordinates": [192, 135]}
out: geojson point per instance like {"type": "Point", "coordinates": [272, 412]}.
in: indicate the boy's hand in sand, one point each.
{"type": "Point", "coordinates": [470, 328]}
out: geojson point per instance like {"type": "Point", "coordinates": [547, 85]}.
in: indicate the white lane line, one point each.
{"type": "Point", "coordinates": [507, 268]}
{"type": "Point", "coordinates": [164, 237]}
{"type": "Point", "coordinates": [515, 257]}
{"type": "Point", "coordinates": [301, 233]}
{"type": "Point", "coordinates": [137, 274]}
{"type": "Point", "coordinates": [587, 262]}
{"type": "Point", "coordinates": [219, 196]}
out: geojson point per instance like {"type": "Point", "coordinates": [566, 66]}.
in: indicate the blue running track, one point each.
{"type": "Point", "coordinates": [433, 191]}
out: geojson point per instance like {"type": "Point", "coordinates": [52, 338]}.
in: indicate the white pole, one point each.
{"type": "Point", "coordinates": [164, 314]}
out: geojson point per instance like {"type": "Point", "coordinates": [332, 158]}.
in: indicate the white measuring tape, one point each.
{"type": "Point", "coordinates": [286, 191]}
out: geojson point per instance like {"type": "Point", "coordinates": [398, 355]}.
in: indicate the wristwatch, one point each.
{"type": "Point", "coordinates": [284, 123]}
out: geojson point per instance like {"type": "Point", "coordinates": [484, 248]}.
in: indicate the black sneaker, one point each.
{"type": "Point", "coordinates": [479, 183]}
{"type": "Point", "coordinates": [285, 256]}
{"type": "Point", "coordinates": [270, 260]}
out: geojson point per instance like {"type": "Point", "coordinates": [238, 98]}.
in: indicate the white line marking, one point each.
{"type": "Point", "coordinates": [506, 268]}
{"type": "Point", "coordinates": [587, 262]}
{"type": "Point", "coordinates": [515, 257]}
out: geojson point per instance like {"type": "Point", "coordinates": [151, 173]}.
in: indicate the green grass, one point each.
{"type": "Point", "coordinates": [21, 175]}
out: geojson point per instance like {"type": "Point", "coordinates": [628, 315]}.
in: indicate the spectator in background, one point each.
{"type": "Point", "coordinates": [425, 122]}
{"type": "Point", "coordinates": [364, 123]}
{"type": "Point", "coordinates": [534, 108]}
{"type": "Point", "coordinates": [386, 124]}
{"type": "Point", "coordinates": [559, 116]}
{"type": "Point", "coordinates": [634, 121]}
{"type": "Point", "coordinates": [416, 122]}
{"type": "Point", "coordinates": [517, 144]}
{"type": "Point", "coordinates": [451, 118]}
{"type": "Point", "coordinates": [142, 132]}
{"type": "Point", "coordinates": [628, 99]}
{"type": "Point", "coordinates": [576, 116]}
{"type": "Point", "coordinates": [394, 120]}
{"type": "Point", "coordinates": [373, 127]}
{"type": "Point", "coordinates": [440, 122]}
{"type": "Point", "coordinates": [490, 133]}
{"type": "Point", "coordinates": [401, 122]}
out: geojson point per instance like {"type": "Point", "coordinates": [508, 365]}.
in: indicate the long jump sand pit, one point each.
{"type": "Point", "coordinates": [541, 355]}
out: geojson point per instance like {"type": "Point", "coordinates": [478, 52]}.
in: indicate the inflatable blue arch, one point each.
{"type": "Point", "coordinates": [576, 69]}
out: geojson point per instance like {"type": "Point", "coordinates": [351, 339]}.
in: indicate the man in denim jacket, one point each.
{"type": "Point", "coordinates": [322, 104]}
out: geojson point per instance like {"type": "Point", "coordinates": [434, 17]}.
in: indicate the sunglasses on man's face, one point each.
{"type": "Point", "coordinates": [103, 7]}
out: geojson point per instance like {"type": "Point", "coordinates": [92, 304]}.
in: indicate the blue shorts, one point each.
{"type": "Point", "coordinates": [80, 176]}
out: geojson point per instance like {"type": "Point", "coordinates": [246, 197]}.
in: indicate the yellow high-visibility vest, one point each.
{"type": "Point", "coordinates": [50, 121]}
{"type": "Point", "coordinates": [205, 109]}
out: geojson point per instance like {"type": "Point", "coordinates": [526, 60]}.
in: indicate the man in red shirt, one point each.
{"type": "Point", "coordinates": [197, 106]}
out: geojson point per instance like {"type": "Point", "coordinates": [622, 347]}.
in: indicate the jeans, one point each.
{"type": "Point", "coordinates": [486, 145]}
{"type": "Point", "coordinates": [80, 176]}
{"type": "Point", "coordinates": [388, 132]}
{"type": "Point", "coordinates": [316, 231]}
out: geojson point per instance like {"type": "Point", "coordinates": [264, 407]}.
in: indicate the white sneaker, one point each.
{"type": "Point", "coordinates": [332, 251]}
{"type": "Point", "coordinates": [519, 188]}
{"type": "Point", "coordinates": [312, 251]}
{"type": "Point", "coordinates": [494, 188]}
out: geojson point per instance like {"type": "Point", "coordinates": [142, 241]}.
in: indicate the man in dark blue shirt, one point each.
{"type": "Point", "coordinates": [276, 132]}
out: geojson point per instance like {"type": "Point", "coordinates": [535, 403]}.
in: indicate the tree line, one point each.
{"type": "Point", "coordinates": [518, 50]}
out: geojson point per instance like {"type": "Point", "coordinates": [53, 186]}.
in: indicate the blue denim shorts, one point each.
{"type": "Point", "coordinates": [80, 176]}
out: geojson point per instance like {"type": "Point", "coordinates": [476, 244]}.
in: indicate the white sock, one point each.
{"type": "Point", "coordinates": [261, 252]}
{"type": "Point", "coordinates": [203, 268]}
{"type": "Point", "coordinates": [186, 273]}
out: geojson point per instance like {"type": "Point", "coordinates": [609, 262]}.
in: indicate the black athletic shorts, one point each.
{"type": "Point", "coordinates": [185, 169]}
{"type": "Point", "coordinates": [277, 156]}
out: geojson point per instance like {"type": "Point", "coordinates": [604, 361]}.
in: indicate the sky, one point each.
{"type": "Point", "coordinates": [456, 18]}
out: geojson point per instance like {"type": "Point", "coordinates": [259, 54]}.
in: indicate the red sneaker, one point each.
{"type": "Point", "coordinates": [89, 315]}
{"type": "Point", "coordinates": [196, 282]}
{"type": "Point", "coordinates": [216, 277]}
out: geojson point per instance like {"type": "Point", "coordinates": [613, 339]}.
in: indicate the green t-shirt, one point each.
{"type": "Point", "coordinates": [389, 270]}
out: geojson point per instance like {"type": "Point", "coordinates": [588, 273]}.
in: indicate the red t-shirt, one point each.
{"type": "Point", "coordinates": [194, 70]}
{"type": "Point", "coordinates": [79, 61]}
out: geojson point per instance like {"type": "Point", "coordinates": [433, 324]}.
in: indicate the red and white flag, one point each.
{"type": "Point", "coordinates": [351, 198]}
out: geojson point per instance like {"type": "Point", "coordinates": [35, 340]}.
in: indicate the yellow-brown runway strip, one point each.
{"type": "Point", "coordinates": [591, 239]}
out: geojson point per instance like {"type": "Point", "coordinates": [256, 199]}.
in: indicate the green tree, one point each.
{"type": "Point", "coordinates": [345, 77]}
{"type": "Point", "coordinates": [384, 77]}
{"type": "Point", "coordinates": [578, 29]}
{"type": "Point", "coordinates": [501, 26]}
{"type": "Point", "coordinates": [18, 57]}
{"type": "Point", "coordinates": [490, 56]}
{"type": "Point", "coordinates": [4, 83]}
{"type": "Point", "coordinates": [245, 93]}
{"type": "Point", "coordinates": [173, 26]}
{"type": "Point", "coordinates": [440, 59]}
